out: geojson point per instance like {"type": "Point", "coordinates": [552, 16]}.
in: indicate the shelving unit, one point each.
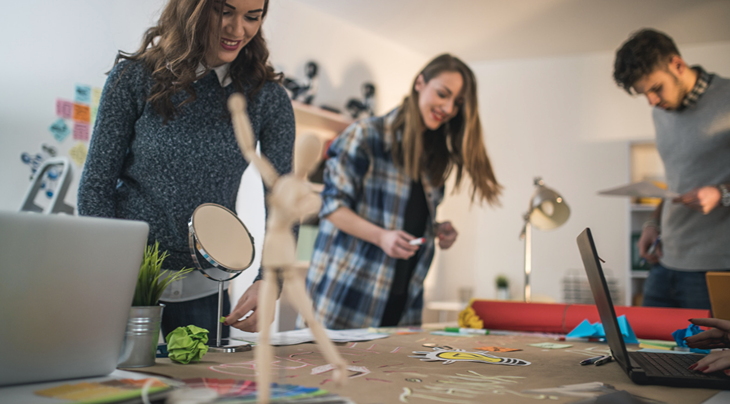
{"type": "Point", "coordinates": [645, 164]}
{"type": "Point", "coordinates": [323, 123]}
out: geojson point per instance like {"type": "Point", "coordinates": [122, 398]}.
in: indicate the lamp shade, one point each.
{"type": "Point", "coordinates": [548, 209]}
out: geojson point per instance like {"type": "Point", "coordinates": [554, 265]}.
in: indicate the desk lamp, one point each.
{"type": "Point", "coordinates": [220, 237]}
{"type": "Point", "coordinates": [547, 211]}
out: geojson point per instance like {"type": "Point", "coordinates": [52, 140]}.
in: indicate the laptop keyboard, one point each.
{"type": "Point", "coordinates": [671, 364]}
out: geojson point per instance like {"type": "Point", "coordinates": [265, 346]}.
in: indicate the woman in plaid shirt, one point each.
{"type": "Point", "coordinates": [383, 181]}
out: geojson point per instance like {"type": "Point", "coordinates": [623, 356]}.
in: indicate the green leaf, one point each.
{"type": "Point", "coordinates": [152, 279]}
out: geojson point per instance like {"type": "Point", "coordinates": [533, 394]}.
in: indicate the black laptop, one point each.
{"type": "Point", "coordinates": [669, 369]}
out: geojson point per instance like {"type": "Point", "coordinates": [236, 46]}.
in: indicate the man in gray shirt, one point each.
{"type": "Point", "coordinates": [690, 234]}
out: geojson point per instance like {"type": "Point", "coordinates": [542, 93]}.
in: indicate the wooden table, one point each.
{"type": "Point", "coordinates": [385, 371]}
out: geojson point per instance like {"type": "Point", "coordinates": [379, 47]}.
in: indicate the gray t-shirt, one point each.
{"type": "Point", "coordinates": [139, 168]}
{"type": "Point", "coordinates": [694, 145]}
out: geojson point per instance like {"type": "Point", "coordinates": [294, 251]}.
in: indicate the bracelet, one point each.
{"type": "Point", "coordinates": [651, 223]}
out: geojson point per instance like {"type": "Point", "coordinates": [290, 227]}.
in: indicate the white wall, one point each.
{"type": "Point", "coordinates": [565, 120]}
{"type": "Point", "coordinates": [49, 46]}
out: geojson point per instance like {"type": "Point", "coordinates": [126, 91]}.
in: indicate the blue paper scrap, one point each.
{"type": "Point", "coordinates": [588, 330]}
{"type": "Point", "coordinates": [683, 333]}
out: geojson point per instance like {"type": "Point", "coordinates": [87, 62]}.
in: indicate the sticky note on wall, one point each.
{"type": "Point", "coordinates": [82, 113]}
{"type": "Point", "coordinates": [60, 130]}
{"type": "Point", "coordinates": [64, 108]}
{"type": "Point", "coordinates": [78, 154]}
{"type": "Point", "coordinates": [95, 96]}
{"type": "Point", "coordinates": [83, 94]}
{"type": "Point", "coordinates": [81, 131]}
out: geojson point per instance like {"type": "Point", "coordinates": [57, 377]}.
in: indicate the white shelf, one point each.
{"type": "Point", "coordinates": [310, 117]}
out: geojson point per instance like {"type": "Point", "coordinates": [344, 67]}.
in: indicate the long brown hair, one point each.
{"type": "Point", "coordinates": [174, 48]}
{"type": "Point", "coordinates": [457, 144]}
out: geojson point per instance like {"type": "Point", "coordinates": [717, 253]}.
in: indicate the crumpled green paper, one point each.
{"type": "Point", "coordinates": [187, 344]}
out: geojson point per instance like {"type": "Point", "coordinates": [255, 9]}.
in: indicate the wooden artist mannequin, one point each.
{"type": "Point", "coordinates": [290, 200]}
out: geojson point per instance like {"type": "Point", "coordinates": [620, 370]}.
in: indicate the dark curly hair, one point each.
{"type": "Point", "coordinates": [174, 48]}
{"type": "Point", "coordinates": [641, 55]}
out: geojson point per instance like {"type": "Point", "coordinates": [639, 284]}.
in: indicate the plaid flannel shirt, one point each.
{"type": "Point", "coordinates": [349, 279]}
{"type": "Point", "coordinates": [703, 81]}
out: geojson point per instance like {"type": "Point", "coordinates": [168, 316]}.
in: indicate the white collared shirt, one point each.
{"type": "Point", "coordinates": [221, 71]}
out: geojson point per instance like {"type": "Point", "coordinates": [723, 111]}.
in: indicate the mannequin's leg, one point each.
{"type": "Point", "coordinates": [295, 289]}
{"type": "Point", "coordinates": [263, 353]}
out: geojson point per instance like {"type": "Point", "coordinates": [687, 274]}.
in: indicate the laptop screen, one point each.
{"type": "Point", "coordinates": [592, 265]}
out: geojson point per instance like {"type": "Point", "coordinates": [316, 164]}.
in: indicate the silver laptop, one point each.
{"type": "Point", "coordinates": [66, 286]}
{"type": "Point", "coordinates": [669, 369]}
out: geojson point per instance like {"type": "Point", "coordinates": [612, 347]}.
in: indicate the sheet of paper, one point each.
{"type": "Point", "coordinates": [305, 335]}
{"type": "Point", "coordinates": [643, 189]}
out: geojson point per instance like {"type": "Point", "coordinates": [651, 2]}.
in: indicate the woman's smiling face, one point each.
{"type": "Point", "coordinates": [439, 99]}
{"type": "Point", "coordinates": [240, 22]}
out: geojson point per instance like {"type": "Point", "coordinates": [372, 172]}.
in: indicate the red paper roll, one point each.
{"type": "Point", "coordinates": [558, 318]}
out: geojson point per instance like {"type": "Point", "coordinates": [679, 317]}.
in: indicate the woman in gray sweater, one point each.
{"type": "Point", "coordinates": [163, 142]}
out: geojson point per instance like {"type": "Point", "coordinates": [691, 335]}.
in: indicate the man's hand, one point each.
{"type": "Point", "coordinates": [395, 244]}
{"type": "Point", "coordinates": [248, 302]}
{"type": "Point", "coordinates": [648, 238]}
{"type": "Point", "coordinates": [703, 199]}
{"type": "Point", "coordinates": [446, 234]}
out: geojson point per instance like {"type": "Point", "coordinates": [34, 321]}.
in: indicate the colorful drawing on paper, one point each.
{"type": "Point", "coordinates": [245, 391]}
{"type": "Point", "coordinates": [459, 355]}
{"type": "Point", "coordinates": [60, 130]}
{"type": "Point", "coordinates": [78, 154]}
{"type": "Point", "coordinates": [497, 349]}
{"type": "Point", "coordinates": [467, 388]}
{"type": "Point", "coordinates": [108, 391]}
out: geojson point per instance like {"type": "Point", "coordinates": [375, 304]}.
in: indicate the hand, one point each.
{"type": "Point", "coordinates": [647, 239]}
{"type": "Point", "coordinates": [395, 244]}
{"type": "Point", "coordinates": [446, 234]}
{"type": "Point", "coordinates": [703, 199]}
{"type": "Point", "coordinates": [717, 337]}
{"type": "Point", "coordinates": [247, 302]}
{"type": "Point", "coordinates": [716, 360]}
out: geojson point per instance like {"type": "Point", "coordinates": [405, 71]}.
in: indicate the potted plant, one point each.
{"type": "Point", "coordinates": [502, 287]}
{"type": "Point", "coordinates": [143, 325]}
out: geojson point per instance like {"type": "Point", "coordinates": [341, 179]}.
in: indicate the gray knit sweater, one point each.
{"type": "Point", "coordinates": [694, 144]}
{"type": "Point", "coordinates": [139, 168]}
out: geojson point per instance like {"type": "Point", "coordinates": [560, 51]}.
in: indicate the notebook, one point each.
{"type": "Point", "coordinates": [718, 286]}
{"type": "Point", "coordinates": [66, 286]}
{"type": "Point", "coordinates": [642, 367]}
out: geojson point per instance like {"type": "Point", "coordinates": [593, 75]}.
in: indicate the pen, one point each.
{"type": "Point", "coordinates": [417, 241]}
{"type": "Point", "coordinates": [651, 249]}
{"type": "Point", "coordinates": [604, 360]}
{"type": "Point", "coordinates": [480, 331]}
{"type": "Point", "coordinates": [592, 360]}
